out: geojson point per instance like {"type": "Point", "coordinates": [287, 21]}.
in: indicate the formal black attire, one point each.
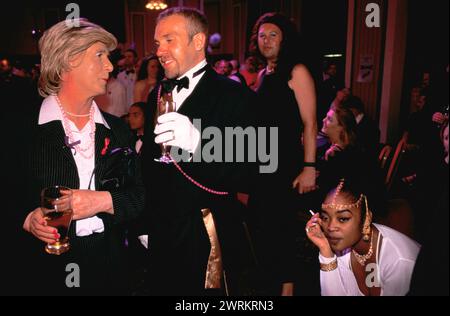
{"type": "Point", "coordinates": [178, 241]}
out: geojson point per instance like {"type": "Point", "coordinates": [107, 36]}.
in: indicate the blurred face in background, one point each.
{"type": "Point", "coordinates": [422, 101]}
{"type": "Point", "coordinates": [153, 68]}
{"type": "Point", "coordinates": [331, 126]}
{"type": "Point", "coordinates": [5, 66]}
{"type": "Point", "coordinates": [223, 68]}
{"type": "Point", "coordinates": [343, 94]}
{"type": "Point", "coordinates": [332, 71]}
{"type": "Point", "coordinates": [129, 60]}
{"type": "Point", "coordinates": [136, 118]}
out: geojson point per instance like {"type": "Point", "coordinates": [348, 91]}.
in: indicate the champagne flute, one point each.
{"type": "Point", "coordinates": [164, 107]}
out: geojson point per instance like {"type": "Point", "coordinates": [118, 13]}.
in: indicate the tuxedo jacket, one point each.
{"type": "Point", "coordinates": [45, 160]}
{"type": "Point", "coordinates": [178, 241]}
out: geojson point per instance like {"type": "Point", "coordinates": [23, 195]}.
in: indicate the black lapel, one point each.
{"type": "Point", "coordinates": [54, 133]}
{"type": "Point", "coordinates": [202, 99]}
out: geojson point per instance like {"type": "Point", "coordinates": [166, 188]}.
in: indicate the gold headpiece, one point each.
{"type": "Point", "coordinates": [337, 206]}
{"type": "Point", "coordinates": [367, 230]}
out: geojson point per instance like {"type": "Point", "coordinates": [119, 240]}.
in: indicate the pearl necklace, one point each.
{"type": "Point", "coordinates": [87, 152]}
{"type": "Point", "coordinates": [362, 259]}
{"type": "Point", "coordinates": [78, 115]}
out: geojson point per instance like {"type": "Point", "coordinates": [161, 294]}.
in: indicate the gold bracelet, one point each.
{"type": "Point", "coordinates": [329, 267]}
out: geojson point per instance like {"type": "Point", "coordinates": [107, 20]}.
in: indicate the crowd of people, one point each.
{"type": "Point", "coordinates": [144, 227]}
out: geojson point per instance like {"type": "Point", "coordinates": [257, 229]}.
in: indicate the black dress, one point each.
{"type": "Point", "coordinates": [273, 202]}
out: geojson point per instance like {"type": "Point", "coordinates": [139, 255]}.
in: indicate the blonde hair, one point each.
{"type": "Point", "coordinates": [61, 43]}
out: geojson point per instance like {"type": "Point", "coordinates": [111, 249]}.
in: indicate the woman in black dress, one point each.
{"type": "Point", "coordinates": [287, 101]}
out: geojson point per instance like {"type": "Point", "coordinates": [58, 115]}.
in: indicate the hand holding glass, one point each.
{"type": "Point", "coordinates": [56, 205]}
{"type": "Point", "coordinates": [165, 107]}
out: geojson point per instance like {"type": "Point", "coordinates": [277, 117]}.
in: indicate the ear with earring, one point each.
{"type": "Point", "coordinates": [367, 228]}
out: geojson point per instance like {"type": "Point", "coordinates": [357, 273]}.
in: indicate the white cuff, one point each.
{"type": "Point", "coordinates": [324, 260]}
{"type": "Point", "coordinates": [196, 140]}
{"type": "Point", "coordinates": [89, 226]}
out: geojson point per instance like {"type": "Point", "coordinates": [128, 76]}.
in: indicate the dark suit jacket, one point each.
{"type": "Point", "coordinates": [47, 161]}
{"type": "Point", "coordinates": [178, 241]}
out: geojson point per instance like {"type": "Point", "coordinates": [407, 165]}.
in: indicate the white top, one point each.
{"type": "Point", "coordinates": [395, 261]}
{"type": "Point", "coordinates": [114, 101]}
{"type": "Point", "coordinates": [138, 146]}
{"type": "Point", "coordinates": [128, 81]}
{"type": "Point", "coordinates": [180, 97]}
{"type": "Point", "coordinates": [359, 118]}
{"type": "Point", "coordinates": [49, 112]}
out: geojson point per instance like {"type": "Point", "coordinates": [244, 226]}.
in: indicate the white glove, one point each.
{"type": "Point", "coordinates": [176, 130]}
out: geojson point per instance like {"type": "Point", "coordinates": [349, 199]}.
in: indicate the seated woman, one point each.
{"type": "Point", "coordinates": [345, 157]}
{"type": "Point", "coordinates": [358, 257]}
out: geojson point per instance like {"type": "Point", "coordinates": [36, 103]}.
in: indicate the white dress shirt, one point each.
{"type": "Point", "coordinates": [395, 262]}
{"type": "Point", "coordinates": [49, 112]}
{"type": "Point", "coordinates": [359, 118]}
{"type": "Point", "coordinates": [138, 146]}
{"type": "Point", "coordinates": [128, 82]}
{"type": "Point", "coordinates": [114, 101]}
{"type": "Point", "coordinates": [180, 97]}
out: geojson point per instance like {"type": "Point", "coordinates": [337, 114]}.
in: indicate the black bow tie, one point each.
{"type": "Point", "coordinates": [129, 72]}
{"type": "Point", "coordinates": [170, 84]}
{"type": "Point", "coordinates": [140, 137]}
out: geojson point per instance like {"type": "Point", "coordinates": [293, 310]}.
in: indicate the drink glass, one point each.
{"type": "Point", "coordinates": [56, 205]}
{"type": "Point", "coordinates": [164, 107]}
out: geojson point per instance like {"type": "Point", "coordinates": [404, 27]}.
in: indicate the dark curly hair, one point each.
{"type": "Point", "coordinates": [290, 51]}
{"type": "Point", "coordinates": [143, 72]}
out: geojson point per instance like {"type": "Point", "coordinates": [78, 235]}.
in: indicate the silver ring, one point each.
{"type": "Point", "coordinates": [307, 229]}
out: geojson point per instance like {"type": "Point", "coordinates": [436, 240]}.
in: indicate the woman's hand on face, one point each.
{"type": "Point", "coordinates": [306, 181]}
{"type": "Point", "coordinates": [316, 235]}
{"type": "Point", "coordinates": [36, 224]}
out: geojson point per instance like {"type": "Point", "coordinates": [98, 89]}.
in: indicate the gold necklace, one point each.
{"type": "Point", "coordinates": [362, 259]}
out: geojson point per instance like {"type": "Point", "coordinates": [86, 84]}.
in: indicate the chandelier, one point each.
{"type": "Point", "coordinates": [156, 5]}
